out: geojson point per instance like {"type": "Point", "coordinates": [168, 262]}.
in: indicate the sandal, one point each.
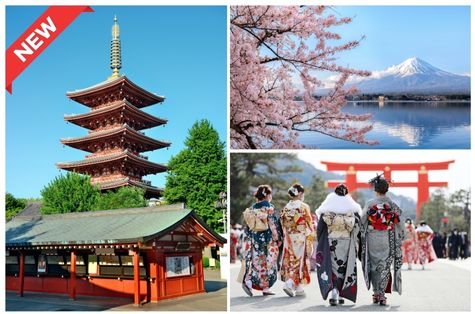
{"type": "Point", "coordinates": [289, 292]}
{"type": "Point", "coordinates": [382, 300]}
{"type": "Point", "coordinates": [333, 302]}
{"type": "Point", "coordinates": [246, 289]}
{"type": "Point", "coordinates": [375, 298]}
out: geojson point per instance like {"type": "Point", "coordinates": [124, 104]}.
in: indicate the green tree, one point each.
{"type": "Point", "coordinates": [459, 211]}
{"type": "Point", "coordinates": [125, 197]}
{"type": "Point", "coordinates": [197, 174]}
{"type": "Point", "coordinates": [251, 170]}
{"type": "Point", "coordinates": [69, 193]}
{"type": "Point", "coordinates": [13, 206]}
{"type": "Point", "coordinates": [316, 193]}
{"type": "Point", "coordinates": [433, 211]}
{"type": "Point", "coordinates": [456, 207]}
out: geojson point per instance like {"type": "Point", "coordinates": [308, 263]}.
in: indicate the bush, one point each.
{"type": "Point", "coordinates": [13, 206]}
{"type": "Point", "coordinates": [125, 197]}
{"type": "Point", "coordinates": [205, 261]}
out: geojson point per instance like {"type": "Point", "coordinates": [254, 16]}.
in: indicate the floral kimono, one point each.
{"type": "Point", "coordinates": [425, 251]}
{"type": "Point", "coordinates": [261, 250]}
{"type": "Point", "coordinates": [382, 234]}
{"type": "Point", "coordinates": [298, 230]}
{"type": "Point", "coordinates": [337, 250]}
{"type": "Point", "coordinates": [409, 246]}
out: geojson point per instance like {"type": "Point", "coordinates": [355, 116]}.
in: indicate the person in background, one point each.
{"type": "Point", "coordinates": [464, 245]}
{"type": "Point", "coordinates": [425, 251]}
{"type": "Point", "coordinates": [313, 258]}
{"type": "Point", "coordinates": [382, 234]}
{"type": "Point", "coordinates": [437, 245]}
{"type": "Point", "coordinates": [409, 245]}
{"type": "Point", "coordinates": [454, 244]}
{"type": "Point", "coordinates": [233, 240]}
{"type": "Point", "coordinates": [443, 245]}
{"type": "Point", "coordinates": [239, 234]}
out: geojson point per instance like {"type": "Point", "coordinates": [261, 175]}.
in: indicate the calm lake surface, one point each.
{"type": "Point", "coordinates": [438, 125]}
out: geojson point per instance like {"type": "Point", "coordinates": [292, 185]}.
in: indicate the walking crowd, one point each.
{"type": "Point", "coordinates": [289, 245]}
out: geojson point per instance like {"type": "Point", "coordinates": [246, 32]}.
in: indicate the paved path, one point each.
{"type": "Point", "coordinates": [215, 299]}
{"type": "Point", "coordinates": [443, 286]}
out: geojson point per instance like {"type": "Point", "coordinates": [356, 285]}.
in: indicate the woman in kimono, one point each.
{"type": "Point", "coordinates": [425, 251]}
{"type": "Point", "coordinates": [261, 244]}
{"type": "Point", "coordinates": [382, 234]}
{"type": "Point", "coordinates": [409, 245]}
{"type": "Point", "coordinates": [299, 233]}
{"type": "Point", "coordinates": [337, 250]}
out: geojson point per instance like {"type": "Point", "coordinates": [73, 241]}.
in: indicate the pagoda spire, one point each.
{"type": "Point", "coordinates": [116, 60]}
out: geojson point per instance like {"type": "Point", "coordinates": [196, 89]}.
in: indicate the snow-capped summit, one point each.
{"type": "Point", "coordinates": [412, 66]}
{"type": "Point", "coordinates": [413, 76]}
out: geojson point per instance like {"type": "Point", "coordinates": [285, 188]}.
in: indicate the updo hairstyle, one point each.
{"type": "Point", "coordinates": [341, 190]}
{"type": "Point", "coordinates": [295, 190]}
{"type": "Point", "coordinates": [380, 184]}
{"type": "Point", "coordinates": [262, 191]}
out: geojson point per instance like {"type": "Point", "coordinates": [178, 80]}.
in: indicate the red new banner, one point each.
{"type": "Point", "coordinates": [37, 37]}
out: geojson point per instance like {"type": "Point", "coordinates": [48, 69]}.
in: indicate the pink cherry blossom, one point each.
{"type": "Point", "coordinates": [270, 51]}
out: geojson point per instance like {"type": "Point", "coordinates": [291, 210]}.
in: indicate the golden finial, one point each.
{"type": "Point", "coordinates": [116, 59]}
{"type": "Point", "coordinates": [115, 29]}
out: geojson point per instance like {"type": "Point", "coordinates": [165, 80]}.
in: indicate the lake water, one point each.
{"type": "Point", "coordinates": [437, 125]}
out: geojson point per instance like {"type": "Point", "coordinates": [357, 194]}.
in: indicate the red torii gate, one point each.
{"type": "Point", "coordinates": [422, 169]}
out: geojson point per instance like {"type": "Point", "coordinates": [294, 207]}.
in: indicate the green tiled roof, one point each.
{"type": "Point", "coordinates": [99, 227]}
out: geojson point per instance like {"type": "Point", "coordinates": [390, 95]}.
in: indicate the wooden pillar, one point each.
{"type": "Point", "coordinates": [136, 277]}
{"type": "Point", "coordinates": [200, 270]}
{"type": "Point", "coordinates": [422, 190]}
{"type": "Point", "coordinates": [351, 179]}
{"type": "Point", "coordinates": [21, 277]}
{"type": "Point", "coordinates": [72, 277]}
{"type": "Point", "coordinates": [161, 274]}
{"type": "Point", "coordinates": [196, 258]}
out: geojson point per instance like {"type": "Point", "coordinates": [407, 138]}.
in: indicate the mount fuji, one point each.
{"type": "Point", "coordinates": [413, 76]}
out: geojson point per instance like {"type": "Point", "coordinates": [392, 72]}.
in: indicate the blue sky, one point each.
{"type": "Point", "coordinates": [439, 35]}
{"type": "Point", "coordinates": [178, 52]}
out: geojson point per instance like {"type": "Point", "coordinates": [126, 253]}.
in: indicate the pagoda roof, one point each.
{"type": "Point", "coordinates": [129, 182]}
{"type": "Point", "coordinates": [116, 107]}
{"type": "Point", "coordinates": [122, 131]}
{"type": "Point", "coordinates": [125, 155]}
{"type": "Point", "coordinates": [121, 85]}
{"type": "Point", "coordinates": [116, 226]}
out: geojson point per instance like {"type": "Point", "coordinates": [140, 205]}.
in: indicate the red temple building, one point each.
{"type": "Point", "coordinates": [144, 254]}
{"type": "Point", "coordinates": [115, 140]}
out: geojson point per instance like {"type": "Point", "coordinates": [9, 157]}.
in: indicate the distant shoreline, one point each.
{"type": "Point", "coordinates": [410, 101]}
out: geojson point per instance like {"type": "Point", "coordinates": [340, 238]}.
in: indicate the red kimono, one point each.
{"type": "Point", "coordinates": [409, 246]}
{"type": "Point", "coordinates": [425, 251]}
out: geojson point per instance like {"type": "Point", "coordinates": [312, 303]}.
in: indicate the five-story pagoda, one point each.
{"type": "Point", "coordinates": [115, 121]}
